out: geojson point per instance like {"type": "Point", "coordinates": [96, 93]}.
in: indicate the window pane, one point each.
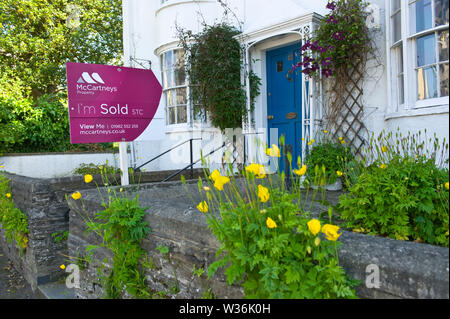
{"type": "Point", "coordinates": [170, 98]}
{"type": "Point", "coordinates": [179, 58]}
{"type": "Point", "coordinates": [399, 53]}
{"type": "Point", "coordinates": [420, 16]}
{"type": "Point", "coordinates": [426, 83]}
{"type": "Point", "coordinates": [443, 45]}
{"type": "Point", "coordinates": [172, 115]}
{"type": "Point", "coordinates": [443, 71]}
{"type": "Point", "coordinates": [441, 12]}
{"type": "Point", "coordinates": [400, 80]}
{"type": "Point", "coordinates": [401, 96]}
{"type": "Point", "coordinates": [426, 50]}
{"type": "Point", "coordinates": [168, 60]}
{"type": "Point", "coordinates": [181, 96]}
{"type": "Point", "coordinates": [180, 76]}
{"type": "Point", "coordinates": [181, 114]}
{"type": "Point", "coordinates": [395, 5]}
{"type": "Point", "coordinates": [396, 27]}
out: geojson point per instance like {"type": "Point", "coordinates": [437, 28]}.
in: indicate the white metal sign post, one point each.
{"type": "Point", "coordinates": [123, 160]}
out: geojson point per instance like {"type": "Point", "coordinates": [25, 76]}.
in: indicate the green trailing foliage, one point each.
{"type": "Point", "coordinates": [214, 65]}
{"type": "Point", "coordinates": [12, 220]}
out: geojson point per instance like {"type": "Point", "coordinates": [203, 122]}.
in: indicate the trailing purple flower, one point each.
{"type": "Point", "coordinates": [327, 72]}
{"type": "Point", "coordinates": [331, 19]}
{"type": "Point", "coordinates": [338, 36]}
{"type": "Point", "coordinates": [331, 5]}
{"type": "Point", "coordinates": [327, 61]}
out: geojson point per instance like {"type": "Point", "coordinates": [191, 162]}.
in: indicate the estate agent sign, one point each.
{"type": "Point", "coordinates": [110, 103]}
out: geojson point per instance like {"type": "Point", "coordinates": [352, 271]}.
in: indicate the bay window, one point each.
{"type": "Point", "coordinates": [419, 53]}
{"type": "Point", "coordinates": [174, 86]}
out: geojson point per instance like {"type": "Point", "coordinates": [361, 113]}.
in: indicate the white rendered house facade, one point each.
{"type": "Point", "coordinates": [408, 87]}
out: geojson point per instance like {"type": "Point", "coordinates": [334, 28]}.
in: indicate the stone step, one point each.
{"type": "Point", "coordinates": [56, 290]}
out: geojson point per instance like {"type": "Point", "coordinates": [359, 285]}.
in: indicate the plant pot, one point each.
{"type": "Point", "coordinates": [336, 186]}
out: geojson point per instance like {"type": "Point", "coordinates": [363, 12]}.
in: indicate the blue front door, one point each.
{"type": "Point", "coordinates": [284, 97]}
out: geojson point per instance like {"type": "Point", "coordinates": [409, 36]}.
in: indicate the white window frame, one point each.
{"type": "Point", "coordinates": [408, 41]}
{"type": "Point", "coordinates": [165, 89]}
{"type": "Point", "coordinates": [191, 122]}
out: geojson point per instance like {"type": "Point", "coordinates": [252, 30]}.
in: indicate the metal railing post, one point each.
{"type": "Point", "coordinates": [192, 159]}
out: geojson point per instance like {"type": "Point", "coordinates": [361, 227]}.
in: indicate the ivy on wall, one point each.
{"type": "Point", "coordinates": [214, 64]}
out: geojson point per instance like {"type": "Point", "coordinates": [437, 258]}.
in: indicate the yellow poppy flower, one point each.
{"type": "Point", "coordinates": [384, 149]}
{"type": "Point", "coordinates": [274, 151]}
{"type": "Point", "coordinates": [62, 266]}
{"type": "Point", "coordinates": [76, 195]}
{"type": "Point", "coordinates": [339, 173]}
{"type": "Point", "coordinates": [206, 188]}
{"type": "Point", "coordinates": [271, 223]}
{"type": "Point", "coordinates": [446, 185]}
{"type": "Point", "coordinates": [331, 232]}
{"type": "Point", "coordinates": [383, 166]}
{"type": "Point", "coordinates": [340, 138]}
{"type": "Point", "coordinates": [325, 131]}
{"type": "Point", "coordinates": [8, 195]}
{"type": "Point", "coordinates": [263, 193]}
{"type": "Point", "coordinates": [2, 166]}
{"type": "Point", "coordinates": [214, 175]}
{"type": "Point", "coordinates": [301, 171]}
{"type": "Point", "coordinates": [88, 178]}
{"type": "Point", "coordinates": [203, 207]}
{"type": "Point", "coordinates": [314, 226]}
{"type": "Point", "coordinates": [256, 169]}
{"type": "Point", "coordinates": [220, 181]}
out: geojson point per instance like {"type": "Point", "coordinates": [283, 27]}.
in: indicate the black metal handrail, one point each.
{"type": "Point", "coordinates": [193, 163]}
{"type": "Point", "coordinates": [158, 156]}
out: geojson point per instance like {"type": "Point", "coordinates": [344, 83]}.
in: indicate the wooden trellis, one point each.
{"type": "Point", "coordinates": [345, 112]}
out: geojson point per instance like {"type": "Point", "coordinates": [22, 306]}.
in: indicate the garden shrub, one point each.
{"type": "Point", "coordinates": [332, 154]}
{"type": "Point", "coordinates": [12, 220]}
{"type": "Point", "coordinates": [404, 198]}
{"type": "Point", "coordinates": [401, 201]}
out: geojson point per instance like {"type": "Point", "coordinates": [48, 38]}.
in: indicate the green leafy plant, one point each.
{"type": "Point", "coordinates": [95, 169]}
{"type": "Point", "coordinates": [214, 65]}
{"type": "Point", "coordinates": [333, 155]}
{"type": "Point", "coordinates": [61, 236]}
{"type": "Point", "coordinates": [122, 230]}
{"type": "Point", "coordinates": [402, 192]}
{"type": "Point", "coordinates": [267, 240]}
{"type": "Point", "coordinates": [39, 36]}
{"type": "Point", "coordinates": [341, 36]}
{"type": "Point", "coordinates": [12, 220]}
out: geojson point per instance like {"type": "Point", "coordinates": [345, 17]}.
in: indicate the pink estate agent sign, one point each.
{"type": "Point", "coordinates": [110, 103]}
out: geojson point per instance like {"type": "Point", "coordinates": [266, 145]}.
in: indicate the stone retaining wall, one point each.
{"type": "Point", "coordinates": [407, 269]}
{"type": "Point", "coordinates": [44, 203]}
